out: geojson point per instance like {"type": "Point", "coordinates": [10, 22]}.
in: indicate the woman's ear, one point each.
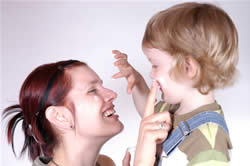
{"type": "Point", "coordinates": [191, 67]}
{"type": "Point", "coordinates": [60, 116]}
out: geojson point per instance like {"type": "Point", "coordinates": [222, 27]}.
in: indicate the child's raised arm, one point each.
{"type": "Point", "coordinates": [136, 83]}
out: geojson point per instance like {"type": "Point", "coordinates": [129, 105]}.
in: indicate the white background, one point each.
{"type": "Point", "coordinates": [38, 32]}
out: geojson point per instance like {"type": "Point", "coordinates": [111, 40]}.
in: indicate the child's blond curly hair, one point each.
{"type": "Point", "coordinates": [201, 31]}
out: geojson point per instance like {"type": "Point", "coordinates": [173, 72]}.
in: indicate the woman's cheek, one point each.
{"type": "Point", "coordinates": [96, 98]}
{"type": "Point", "coordinates": [93, 102]}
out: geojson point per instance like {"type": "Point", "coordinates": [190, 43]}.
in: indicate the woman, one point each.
{"type": "Point", "coordinates": [58, 103]}
{"type": "Point", "coordinates": [67, 116]}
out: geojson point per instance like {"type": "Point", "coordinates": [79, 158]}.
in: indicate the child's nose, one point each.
{"type": "Point", "coordinates": [152, 75]}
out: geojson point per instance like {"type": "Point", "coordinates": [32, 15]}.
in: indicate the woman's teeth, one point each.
{"type": "Point", "coordinates": [109, 113]}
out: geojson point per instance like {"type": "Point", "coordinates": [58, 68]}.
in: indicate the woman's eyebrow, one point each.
{"type": "Point", "coordinates": [95, 82]}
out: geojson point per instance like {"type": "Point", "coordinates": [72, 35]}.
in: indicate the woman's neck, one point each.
{"type": "Point", "coordinates": [194, 100]}
{"type": "Point", "coordinates": [77, 154]}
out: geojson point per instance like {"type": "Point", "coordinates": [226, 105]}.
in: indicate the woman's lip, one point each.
{"type": "Point", "coordinates": [114, 117]}
{"type": "Point", "coordinates": [111, 107]}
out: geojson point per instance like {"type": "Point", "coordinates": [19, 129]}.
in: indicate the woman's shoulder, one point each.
{"type": "Point", "coordinates": [104, 160]}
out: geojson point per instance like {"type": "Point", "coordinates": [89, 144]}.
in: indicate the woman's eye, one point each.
{"type": "Point", "coordinates": [92, 91]}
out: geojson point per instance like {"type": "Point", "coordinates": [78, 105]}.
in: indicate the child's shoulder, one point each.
{"type": "Point", "coordinates": [208, 142]}
{"type": "Point", "coordinates": [163, 106]}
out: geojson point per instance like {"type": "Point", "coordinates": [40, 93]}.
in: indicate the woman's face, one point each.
{"type": "Point", "coordinates": [95, 114]}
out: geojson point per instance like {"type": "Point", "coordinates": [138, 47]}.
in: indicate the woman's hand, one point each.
{"type": "Point", "coordinates": [153, 130]}
{"type": "Point", "coordinates": [126, 159]}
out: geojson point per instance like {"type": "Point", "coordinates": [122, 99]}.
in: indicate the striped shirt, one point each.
{"type": "Point", "coordinates": [44, 161]}
{"type": "Point", "coordinates": [208, 145]}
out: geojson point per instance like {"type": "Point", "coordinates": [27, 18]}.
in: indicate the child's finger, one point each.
{"type": "Point", "coordinates": [116, 52]}
{"type": "Point", "coordinates": [121, 56]}
{"type": "Point", "coordinates": [121, 62]}
{"type": "Point", "coordinates": [131, 82]}
{"type": "Point", "coordinates": [149, 109]}
{"type": "Point", "coordinates": [118, 75]}
{"type": "Point", "coordinates": [130, 87]}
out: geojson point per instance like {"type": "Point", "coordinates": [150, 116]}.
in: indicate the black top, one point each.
{"type": "Point", "coordinates": [44, 161]}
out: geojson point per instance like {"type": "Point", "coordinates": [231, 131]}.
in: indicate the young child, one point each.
{"type": "Point", "coordinates": [193, 49]}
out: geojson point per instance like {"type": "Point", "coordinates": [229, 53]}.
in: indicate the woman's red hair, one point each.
{"type": "Point", "coordinates": [39, 135]}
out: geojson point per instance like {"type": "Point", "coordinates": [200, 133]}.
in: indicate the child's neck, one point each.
{"type": "Point", "coordinates": [194, 100]}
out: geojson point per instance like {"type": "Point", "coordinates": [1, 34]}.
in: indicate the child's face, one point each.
{"type": "Point", "coordinates": [93, 103]}
{"type": "Point", "coordinates": [172, 91]}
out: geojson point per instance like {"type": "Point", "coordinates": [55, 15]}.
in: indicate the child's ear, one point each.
{"type": "Point", "coordinates": [191, 67]}
{"type": "Point", "coordinates": [60, 116]}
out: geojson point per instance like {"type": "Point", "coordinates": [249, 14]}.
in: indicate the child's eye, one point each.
{"type": "Point", "coordinates": [154, 66]}
{"type": "Point", "coordinates": [92, 91]}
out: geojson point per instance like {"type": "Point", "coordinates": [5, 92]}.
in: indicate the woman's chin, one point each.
{"type": "Point", "coordinates": [121, 127]}
{"type": "Point", "coordinates": [118, 129]}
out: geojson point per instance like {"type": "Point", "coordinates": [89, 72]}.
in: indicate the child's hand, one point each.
{"type": "Point", "coordinates": [154, 129]}
{"type": "Point", "coordinates": [135, 81]}
{"type": "Point", "coordinates": [126, 70]}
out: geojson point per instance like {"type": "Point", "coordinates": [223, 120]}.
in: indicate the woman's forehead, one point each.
{"type": "Point", "coordinates": [84, 75]}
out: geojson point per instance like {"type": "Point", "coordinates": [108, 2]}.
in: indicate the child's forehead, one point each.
{"type": "Point", "coordinates": [150, 50]}
{"type": "Point", "coordinates": [155, 51]}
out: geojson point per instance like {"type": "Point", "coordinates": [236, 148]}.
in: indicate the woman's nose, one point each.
{"type": "Point", "coordinates": [110, 95]}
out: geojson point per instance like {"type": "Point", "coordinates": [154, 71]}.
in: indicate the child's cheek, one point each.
{"type": "Point", "coordinates": [162, 82]}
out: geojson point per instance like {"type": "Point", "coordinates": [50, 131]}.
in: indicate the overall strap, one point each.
{"type": "Point", "coordinates": [186, 127]}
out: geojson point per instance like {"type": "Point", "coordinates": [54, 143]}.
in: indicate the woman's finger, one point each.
{"type": "Point", "coordinates": [157, 136]}
{"type": "Point", "coordinates": [157, 126]}
{"type": "Point", "coordinates": [126, 159]}
{"type": "Point", "coordinates": [149, 109]}
{"type": "Point", "coordinates": [160, 117]}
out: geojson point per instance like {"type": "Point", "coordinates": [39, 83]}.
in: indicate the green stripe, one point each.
{"type": "Point", "coordinates": [208, 155]}
{"type": "Point", "coordinates": [163, 107]}
{"type": "Point", "coordinates": [212, 163]}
